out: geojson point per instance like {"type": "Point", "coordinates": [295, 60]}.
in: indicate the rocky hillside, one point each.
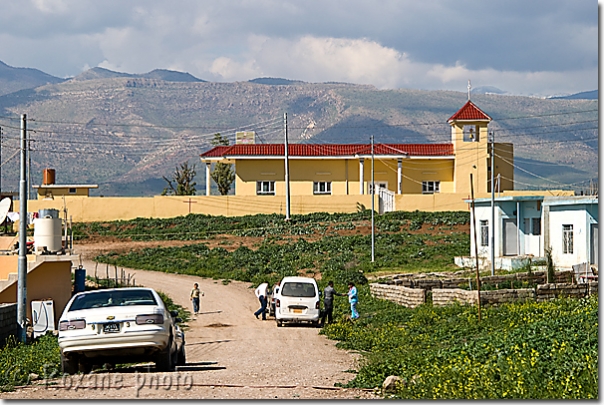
{"type": "Point", "coordinates": [124, 132]}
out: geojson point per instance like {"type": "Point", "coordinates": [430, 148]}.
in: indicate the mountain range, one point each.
{"type": "Point", "coordinates": [125, 132]}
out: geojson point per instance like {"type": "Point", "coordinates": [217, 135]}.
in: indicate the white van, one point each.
{"type": "Point", "coordinates": [297, 301]}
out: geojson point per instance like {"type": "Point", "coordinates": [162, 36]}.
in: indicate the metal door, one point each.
{"type": "Point", "coordinates": [510, 237]}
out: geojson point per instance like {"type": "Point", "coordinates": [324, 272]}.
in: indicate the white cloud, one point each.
{"type": "Point", "coordinates": [363, 61]}
{"type": "Point", "coordinates": [514, 45]}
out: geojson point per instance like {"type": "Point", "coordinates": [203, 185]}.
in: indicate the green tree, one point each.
{"type": "Point", "coordinates": [223, 173]}
{"type": "Point", "coordinates": [181, 182]}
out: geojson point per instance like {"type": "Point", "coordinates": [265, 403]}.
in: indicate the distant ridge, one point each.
{"type": "Point", "coordinates": [584, 95]}
{"type": "Point", "coordinates": [159, 74]}
{"type": "Point", "coordinates": [13, 79]}
{"type": "Point", "coordinates": [275, 81]}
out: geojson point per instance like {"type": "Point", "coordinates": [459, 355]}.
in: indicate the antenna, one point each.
{"type": "Point", "coordinates": [469, 89]}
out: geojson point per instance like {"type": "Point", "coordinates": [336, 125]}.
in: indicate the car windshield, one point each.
{"type": "Point", "coordinates": [113, 298]}
{"type": "Point", "coordinates": [298, 290]}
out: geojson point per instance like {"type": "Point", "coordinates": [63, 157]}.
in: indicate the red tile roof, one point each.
{"type": "Point", "coordinates": [469, 112]}
{"type": "Point", "coordinates": [330, 150]}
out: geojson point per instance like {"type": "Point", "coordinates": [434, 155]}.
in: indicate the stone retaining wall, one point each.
{"type": "Point", "coordinates": [434, 280]}
{"type": "Point", "coordinates": [409, 297]}
{"type": "Point", "coordinates": [8, 321]}
{"type": "Point", "coordinates": [547, 292]}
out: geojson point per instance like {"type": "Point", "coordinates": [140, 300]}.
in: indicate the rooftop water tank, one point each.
{"type": "Point", "coordinates": [47, 234]}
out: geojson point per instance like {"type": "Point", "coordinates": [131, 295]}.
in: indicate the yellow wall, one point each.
{"type": "Point", "coordinates": [88, 209]}
{"type": "Point", "coordinates": [49, 280]}
{"type": "Point", "coordinates": [344, 175]}
{"type": "Point", "coordinates": [504, 157]}
{"type": "Point", "coordinates": [60, 192]}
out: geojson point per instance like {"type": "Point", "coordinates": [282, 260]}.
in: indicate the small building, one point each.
{"type": "Point", "coordinates": [48, 190]}
{"type": "Point", "coordinates": [525, 226]}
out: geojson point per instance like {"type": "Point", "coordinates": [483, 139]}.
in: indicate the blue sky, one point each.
{"type": "Point", "coordinates": [525, 47]}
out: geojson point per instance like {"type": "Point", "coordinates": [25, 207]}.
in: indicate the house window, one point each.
{"type": "Point", "coordinates": [536, 226]}
{"type": "Point", "coordinates": [430, 187]}
{"type": "Point", "coordinates": [72, 191]}
{"type": "Point", "coordinates": [321, 187]}
{"type": "Point", "coordinates": [265, 188]}
{"type": "Point", "coordinates": [484, 233]}
{"type": "Point", "coordinates": [378, 185]}
{"type": "Point", "coordinates": [567, 239]}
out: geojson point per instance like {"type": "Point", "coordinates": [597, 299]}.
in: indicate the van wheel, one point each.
{"type": "Point", "coordinates": [279, 324]}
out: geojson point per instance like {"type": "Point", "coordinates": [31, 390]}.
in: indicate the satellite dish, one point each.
{"type": "Point", "coordinates": [4, 207]}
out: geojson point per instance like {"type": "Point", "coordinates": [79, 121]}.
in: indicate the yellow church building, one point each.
{"type": "Point", "coordinates": [415, 176]}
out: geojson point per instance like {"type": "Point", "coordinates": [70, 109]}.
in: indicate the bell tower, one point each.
{"type": "Point", "coordinates": [469, 135]}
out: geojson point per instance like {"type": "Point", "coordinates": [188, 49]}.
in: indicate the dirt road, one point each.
{"type": "Point", "coordinates": [230, 355]}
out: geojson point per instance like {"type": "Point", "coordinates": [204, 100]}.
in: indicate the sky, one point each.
{"type": "Point", "coordinates": [523, 47]}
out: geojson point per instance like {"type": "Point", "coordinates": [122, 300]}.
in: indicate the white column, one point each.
{"type": "Point", "coordinates": [208, 177]}
{"type": "Point", "coordinates": [399, 178]}
{"type": "Point", "coordinates": [362, 176]}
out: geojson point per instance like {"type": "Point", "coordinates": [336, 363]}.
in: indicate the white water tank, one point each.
{"type": "Point", "coordinates": [47, 232]}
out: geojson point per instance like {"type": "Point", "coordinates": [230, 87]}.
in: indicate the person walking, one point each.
{"type": "Point", "coordinates": [261, 293]}
{"type": "Point", "coordinates": [328, 293]}
{"type": "Point", "coordinates": [195, 294]}
{"type": "Point", "coordinates": [353, 299]}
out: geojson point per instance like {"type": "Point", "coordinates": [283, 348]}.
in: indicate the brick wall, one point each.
{"type": "Point", "coordinates": [8, 321]}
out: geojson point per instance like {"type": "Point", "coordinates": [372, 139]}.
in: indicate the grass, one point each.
{"type": "Point", "coordinates": [526, 350]}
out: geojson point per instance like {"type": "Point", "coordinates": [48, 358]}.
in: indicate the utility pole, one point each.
{"type": "Point", "coordinates": [492, 203]}
{"type": "Point", "coordinates": [372, 203]}
{"type": "Point", "coordinates": [287, 202]}
{"type": "Point", "coordinates": [475, 244]}
{"type": "Point", "coordinates": [22, 263]}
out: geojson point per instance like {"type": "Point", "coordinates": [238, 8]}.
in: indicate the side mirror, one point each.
{"type": "Point", "coordinates": [320, 294]}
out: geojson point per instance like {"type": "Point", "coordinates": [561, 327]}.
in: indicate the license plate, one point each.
{"type": "Point", "coordinates": [297, 311]}
{"type": "Point", "coordinates": [111, 327]}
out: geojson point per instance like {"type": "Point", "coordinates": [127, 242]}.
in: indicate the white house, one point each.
{"type": "Point", "coordinates": [527, 225]}
{"type": "Point", "coordinates": [570, 227]}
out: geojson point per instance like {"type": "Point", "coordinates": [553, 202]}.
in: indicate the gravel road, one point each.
{"type": "Point", "coordinates": [230, 355]}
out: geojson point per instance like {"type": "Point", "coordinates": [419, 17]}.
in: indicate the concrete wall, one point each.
{"type": "Point", "coordinates": [50, 278]}
{"type": "Point", "coordinates": [8, 322]}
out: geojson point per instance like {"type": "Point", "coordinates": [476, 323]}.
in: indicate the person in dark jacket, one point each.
{"type": "Point", "coordinates": [328, 293]}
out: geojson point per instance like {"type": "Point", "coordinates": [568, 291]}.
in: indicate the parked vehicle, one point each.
{"type": "Point", "coordinates": [298, 300]}
{"type": "Point", "coordinates": [119, 325]}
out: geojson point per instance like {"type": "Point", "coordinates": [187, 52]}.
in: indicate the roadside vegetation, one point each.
{"type": "Point", "coordinates": [524, 350]}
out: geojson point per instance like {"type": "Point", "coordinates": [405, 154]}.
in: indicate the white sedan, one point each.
{"type": "Point", "coordinates": [120, 325]}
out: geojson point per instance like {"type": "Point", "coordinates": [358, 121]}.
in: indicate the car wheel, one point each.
{"type": "Point", "coordinates": [164, 360]}
{"type": "Point", "coordinates": [181, 358]}
{"type": "Point", "coordinates": [279, 324]}
{"type": "Point", "coordinates": [84, 366]}
{"type": "Point", "coordinates": [69, 364]}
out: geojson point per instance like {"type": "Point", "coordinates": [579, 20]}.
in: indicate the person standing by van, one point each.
{"type": "Point", "coordinates": [195, 294]}
{"type": "Point", "coordinates": [261, 293]}
{"type": "Point", "coordinates": [353, 299]}
{"type": "Point", "coordinates": [328, 293]}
